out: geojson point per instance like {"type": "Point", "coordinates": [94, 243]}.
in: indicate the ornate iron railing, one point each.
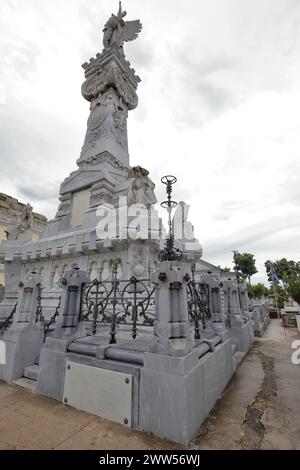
{"type": "Point", "coordinates": [39, 310]}
{"type": "Point", "coordinates": [228, 310]}
{"type": "Point", "coordinates": [47, 325]}
{"type": "Point", "coordinates": [40, 318]}
{"type": "Point", "coordinates": [129, 302]}
{"type": "Point", "coordinates": [6, 324]}
{"type": "Point", "coordinates": [132, 302]}
{"type": "Point", "coordinates": [198, 305]}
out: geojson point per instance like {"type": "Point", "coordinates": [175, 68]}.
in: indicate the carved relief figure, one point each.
{"type": "Point", "coordinates": [120, 125]}
{"type": "Point", "coordinates": [141, 189]}
{"type": "Point", "coordinates": [108, 119]}
{"type": "Point", "coordinates": [27, 217]}
{"type": "Point", "coordinates": [106, 271]}
{"type": "Point", "coordinates": [93, 271]}
{"type": "Point", "coordinates": [14, 230]}
{"type": "Point", "coordinates": [138, 264]}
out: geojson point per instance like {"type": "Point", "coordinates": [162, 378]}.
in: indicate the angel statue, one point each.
{"type": "Point", "coordinates": [117, 31]}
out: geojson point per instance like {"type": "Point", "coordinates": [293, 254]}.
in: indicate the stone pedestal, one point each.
{"type": "Point", "coordinates": [177, 393]}
{"type": "Point", "coordinates": [53, 357]}
{"type": "Point", "coordinates": [13, 271]}
{"type": "Point", "coordinates": [260, 314]}
{"type": "Point", "coordinates": [179, 383]}
{"type": "Point", "coordinates": [70, 307]}
{"type": "Point", "coordinates": [171, 325]}
{"type": "Point", "coordinates": [24, 338]}
{"type": "Point", "coordinates": [241, 327]}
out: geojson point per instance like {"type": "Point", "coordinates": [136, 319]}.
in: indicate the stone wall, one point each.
{"type": "Point", "coordinates": [11, 211]}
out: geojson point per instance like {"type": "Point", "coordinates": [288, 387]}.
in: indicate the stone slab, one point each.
{"type": "Point", "coordinates": [26, 383]}
{"type": "Point", "coordinates": [105, 393]}
{"type": "Point", "coordinates": [174, 406]}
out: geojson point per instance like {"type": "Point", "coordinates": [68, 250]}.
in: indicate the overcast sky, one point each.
{"type": "Point", "coordinates": [219, 108]}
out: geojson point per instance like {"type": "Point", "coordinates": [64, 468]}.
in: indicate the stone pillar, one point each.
{"type": "Point", "coordinates": [244, 301]}
{"type": "Point", "coordinates": [180, 382]}
{"type": "Point", "coordinates": [219, 319]}
{"type": "Point", "coordinates": [260, 316]}
{"type": "Point", "coordinates": [171, 326]}
{"type": "Point", "coordinates": [24, 339]}
{"type": "Point", "coordinates": [54, 353]}
{"type": "Point", "coordinates": [235, 300]}
{"type": "Point", "coordinates": [216, 307]}
{"type": "Point", "coordinates": [110, 87]}
{"type": "Point", "coordinates": [70, 306]}
{"type": "Point", "coordinates": [241, 328]}
{"type": "Point", "coordinates": [28, 299]}
{"type": "Point", "coordinates": [12, 271]}
{"type": "Point", "coordinates": [231, 299]}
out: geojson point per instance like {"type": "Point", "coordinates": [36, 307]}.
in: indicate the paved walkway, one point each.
{"type": "Point", "coordinates": [260, 409]}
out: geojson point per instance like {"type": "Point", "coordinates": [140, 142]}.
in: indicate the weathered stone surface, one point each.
{"type": "Point", "coordinates": [171, 325]}
{"type": "Point", "coordinates": [175, 403]}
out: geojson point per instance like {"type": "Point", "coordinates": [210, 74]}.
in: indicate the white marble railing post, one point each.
{"type": "Point", "coordinates": [171, 326]}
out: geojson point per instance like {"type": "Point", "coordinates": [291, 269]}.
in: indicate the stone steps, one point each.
{"type": "Point", "coordinates": [32, 372]}
{"type": "Point", "coordinates": [24, 382]}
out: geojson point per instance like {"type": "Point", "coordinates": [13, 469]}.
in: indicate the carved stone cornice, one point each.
{"type": "Point", "coordinates": [110, 69]}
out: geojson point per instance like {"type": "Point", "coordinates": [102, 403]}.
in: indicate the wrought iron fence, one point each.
{"type": "Point", "coordinates": [6, 324]}
{"type": "Point", "coordinates": [132, 302]}
{"type": "Point", "coordinates": [227, 298]}
{"type": "Point", "coordinates": [198, 305]}
{"type": "Point", "coordinates": [46, 325]}
{"type": "Point", "coordinates": [129, 302]}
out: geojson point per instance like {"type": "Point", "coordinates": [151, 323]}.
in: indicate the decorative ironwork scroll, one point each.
{"type": "Point", "coordinates": [116, 302]}
{"type": "Point", "coordinates": [6, 324]}
{"type": "Point", "coordinates": [47, 325]}
{"type": "Point", "coordinates": [40, 317]}
{"type": "Point", "coordinates": [198, 304]}
{"type": "Point", "coordinates": [39, 310]}
{"type": "Point", "coordinates": [169, 253]}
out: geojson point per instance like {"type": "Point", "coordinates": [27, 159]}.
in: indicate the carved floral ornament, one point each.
{"type": "Point", "coordinates": [110, 76]}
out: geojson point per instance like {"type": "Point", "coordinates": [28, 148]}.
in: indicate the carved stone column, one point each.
{"type": "Point", "coordinates": [24, 338]}
{"type": "Point", "coordinates": [69, 312]}
{"type": "Point", "coordinates": [110, 87]}
{"type": "Point", "coordinates": [241, 327]}
{"type": "Point", "coordinates": [171, 327]}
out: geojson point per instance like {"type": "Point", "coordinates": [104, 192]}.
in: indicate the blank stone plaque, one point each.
{"type": "Point", "coordinates": [101, 392]}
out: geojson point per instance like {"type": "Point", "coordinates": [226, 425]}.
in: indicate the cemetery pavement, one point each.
{"type": "Point", "coordinates": [258, 410]}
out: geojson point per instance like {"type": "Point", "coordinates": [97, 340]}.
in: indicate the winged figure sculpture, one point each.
{"type": "Point", "coordinates": [117, 31]}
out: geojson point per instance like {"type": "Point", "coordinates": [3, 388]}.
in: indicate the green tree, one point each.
{"type": "Point", "coordinates": [258, 291]}
{"type": "Point", "coordinates": [245, 263]}
{"type": "Point", "coordinates": [286, 271]}
{"type": "Point", "coordinates": [294, 291]}
{"type": "Point", "coordinates": [282, 295]}
{"type": "Point", "coordinates": [224, 270]}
